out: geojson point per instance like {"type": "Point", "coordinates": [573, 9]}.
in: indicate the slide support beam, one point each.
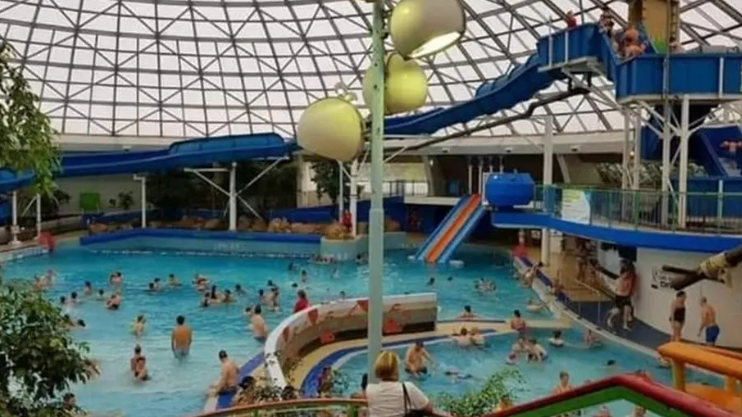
{"type": "Point", "coordinates": [684, 154]}
{"type": "Point", "coordinates": [38, 216]}
{"type": "Point", "coordinates": [626, 152]}
{"type": "Point", "coordinates": [14, 229]}
{"type": "Point", "coordinates": [470, 170]}
{"type": "Point", "coordinates": [637, 149]}
{"type": "Point", "coordinates": [376, 212]}
{"type": "Point", "coordinates": [233, 197]}
{"type": "Point", "coordinates": [341, 191]}
{"type": "Point", "coordinates": [666, 163]}
{"type": "Point", "coordinates": [548, 181]}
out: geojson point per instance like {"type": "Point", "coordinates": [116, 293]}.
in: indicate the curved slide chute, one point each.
{"type": "Point", "coordinates": [185, 154]}
{"type": "Point", "coordinates": [656, 398]}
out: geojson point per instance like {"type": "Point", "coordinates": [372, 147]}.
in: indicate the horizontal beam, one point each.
{"type": "Point", "coordinates": [589, 142]}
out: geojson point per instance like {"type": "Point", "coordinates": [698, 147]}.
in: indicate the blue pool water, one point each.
{"type": "Point", "coordinates": [540, 378]}
{"type": "Point", "coordinates": [177, 388]}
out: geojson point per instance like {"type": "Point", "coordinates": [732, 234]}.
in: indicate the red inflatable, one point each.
{"type": "Point", "coordinates": [47, 240]}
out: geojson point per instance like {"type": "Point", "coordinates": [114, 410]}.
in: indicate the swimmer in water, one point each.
{"type": "Point", "coordinates": [101, 295]}
{"type": "Point", "coordinates": [417, 359]}
{"type": "Point", "coordinates": [206, 300]}
{"type": "Point", "coordinates": [556, 339]}
{"type": "Point", "coordinates": [116, 279]}
{"type": "Point", "coordinates": [140, 369]}
{"type": "Point", "coordinates": [536, 352]}
{"type": "Point", "coordinates": [172, 281]}
{"type": "Point", "coordinates": [462, 338]}
{"type": "Point", "coordinates": [87, 289]}
{"type": "Point", "coordinates": [138, 326]}
{"type": "Point", "coordinates": [304, 276]}
{"type": "Point", "coordinates": [456, 375]}
{"type": "Point", "coordinates": [431, 282]}
{"type": "Point", "coordinates": [114, 302]}
{"type": "Point", "coordinates": [151, 287]}
{"type": "Point", "coordinates": [590, 340]}
{"type": "Point", "coordinates": [257, 324]}
{"type": "Point", "coordinates": [238, 290]}
{"type": "Point", "coordinates": [341, 297]}
{"type": "Point", "coordinates": [158, 284]}
{"type": "Point", "coordinates": [227, 297]}
{"type": "Point", "coordinates": [467, 314]}
{"type": "Point", "coordinates": [73, 299]}
{"type": "Point", "coordinates": [518, 324]}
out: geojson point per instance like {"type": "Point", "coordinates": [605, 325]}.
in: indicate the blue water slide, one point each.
{"type": "Point", "coordinates": [442, 227]}
{"type": "Point", "coordinates": [712, 139]}
{"type": "Point", "coordinates": [462, 234]}
{"type": "Point", "coordinates": [189, 153]}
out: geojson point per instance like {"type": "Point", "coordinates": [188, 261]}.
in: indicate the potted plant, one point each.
{"type": "Point", "coordinates": [125, 200]}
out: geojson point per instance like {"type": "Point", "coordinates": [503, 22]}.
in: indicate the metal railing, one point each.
{"type": "Point", "coordinates": [706, 212]}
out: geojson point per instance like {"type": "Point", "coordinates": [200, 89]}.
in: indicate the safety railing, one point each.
{"type": "Point", "coordinates": [295, 408]}
{"type": "Point", "coordinates": [706, 212]}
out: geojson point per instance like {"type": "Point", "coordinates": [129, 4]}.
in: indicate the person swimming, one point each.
{"type": "Point", "coordinates": [206, 300]}
{"type": "Point", "coordinates": [238, 290]}
{"type": "Point", "coordinates": [431, 282]}
{"type": "Point", "coordinates": [462, 337]}
{"type": "Point", "coordinates": [172, 281]}
{"type": "Point", "coordinates": [114, 302]}
{"type": "Point", "coordinates": [101, 295]}
{"type": "Point", "coordinates": [140, 369]}
{"type": "Point", "coordinates": [536, 352]}
{"type": "Point", "coordinates": [138, 326]}
{"type": "Point", "coordinates": [556, 339]}
{"type": "Point", "coordinates": [87, 289]}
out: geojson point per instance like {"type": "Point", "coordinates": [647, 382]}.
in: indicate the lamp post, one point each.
{"type": "Point", "coordinates": [376, 212]}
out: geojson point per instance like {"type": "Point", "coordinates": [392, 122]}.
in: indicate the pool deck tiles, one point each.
{"type": "Point", "coordinates": [330, 354]}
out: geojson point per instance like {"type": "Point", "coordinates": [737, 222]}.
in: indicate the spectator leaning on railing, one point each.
{"type": "Point", "coordinates": [392, 398]}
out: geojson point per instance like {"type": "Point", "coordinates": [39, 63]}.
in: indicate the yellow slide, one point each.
{"type": "Point", "coordinates": [720, 361]}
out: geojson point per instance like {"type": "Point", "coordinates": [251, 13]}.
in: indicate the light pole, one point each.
{"type": "Point", "coordinates": [376, 212]}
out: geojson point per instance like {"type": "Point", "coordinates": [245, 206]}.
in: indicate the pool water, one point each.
{"type": "Point", "coordinates": [177, 388]}
{"type": "Point", "coordinates": [540, 378]}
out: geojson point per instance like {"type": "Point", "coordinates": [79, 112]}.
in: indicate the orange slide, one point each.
{"type": "Point", "coordinates": [445, 239]}
{"type": "Point", "coordinates": [720, 361]}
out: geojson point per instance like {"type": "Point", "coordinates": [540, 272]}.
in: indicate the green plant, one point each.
{"type": "Point", "coordinates": [52, 201]}
{"type": "Point", "coordinates": [39, 360]}
{"type": "Point", "coordinates": [125, 200]}
{"type": "Point", "coordinates": [501, 384]}
{"type": "Point", "coordinates": [327, 178]}
{"type": "Point", "coordinates": [26, 134]}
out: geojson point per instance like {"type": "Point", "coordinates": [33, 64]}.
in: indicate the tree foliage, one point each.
{"type": "Point", "coordinates": [39, 360]}
{"type": "Point", "coordinates": [327, 178]}
{"type": "Point", "coordinates": [500, 385]}
{"type": "Point", "coordinates": [26, 134]}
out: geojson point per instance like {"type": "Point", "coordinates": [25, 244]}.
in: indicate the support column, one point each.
{"type": "Point", "coordinates": [666, 163]}
{"type": "Point", "coordinates": [480, 174]}
{"type": "Point", "coordinates": [683, 170]}
{"type": "Point", "coordinates": [38, 216]}
{"type": "Point", "coordinates": [626, 151]}
{"type": "Point", "coordinates": [491, 164]}
{"type": "Point", "coordinates": [233, 197]}
{"type": "Point", "coordinates": [14, 229]}
{"type": "Point", "coordinates": [341, 191]}
{"type": "Point", "coordinates": [354, 198]}
{"type": "Point", "coordinates": [471, 174]}
{"type": "Point", "coordinates": [548, 142]}
{"type": "Point", "coordinates": [143, 194]}
{"type": "Point", "coordinates": [376, 213]}
{"type": "Point", "coordinates": [636, 182]}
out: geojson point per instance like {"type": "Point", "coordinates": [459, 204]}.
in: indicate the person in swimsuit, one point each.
{"type": "Point", "coordinates": [518, 324]}
{"type": "Point", "coordinates": [140, 369]}
{"type": "Point", "coordinates": [257, 324]}
{"type": "Point", "coordinates": [677, 316]}
{"type": "Point", "coordinates": [467, 314]}
{"type": "Point", "coordinates": [416, 359]}
{"type": "Point", "coordinates": [623, 308]}
{"type": "Point", "coordinates": [135, 358]}
{"type": "Point", "coordinates": [181, 338]}
{"type": "Point", "coordinates": [138, 326]}
{"type": "Point", "coordinates": [563, 385]}
{"type": "Point", "coordinates": [113, 303]}
{"type": "Point", "coordinates": [227, 383]}
{"type": "Point", "coordinates": [708, 323]}
{"type": "Point", "coordinates": [87, 289]}
{"type": "Point", "coordinates": [172, 281]}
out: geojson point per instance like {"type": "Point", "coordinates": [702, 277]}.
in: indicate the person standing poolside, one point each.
{"type": "Point", "coordinates": [181, 338]}
{"type": "Point", "coordinates": [257, 324]}
{"type": "Point", "coordinates": [677, 316]}
{"type": "Point", "coordinates": [708, 323]}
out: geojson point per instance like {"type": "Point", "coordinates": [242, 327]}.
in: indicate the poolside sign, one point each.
{"type": "Point", "coordinates": [662, 279]}
{"type": "Point", "coordinates": [576, 206]}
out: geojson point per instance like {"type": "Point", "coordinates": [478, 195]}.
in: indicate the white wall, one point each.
{"type": "Point", "coordinates": [107, 186]}
{"type": "Point", "coordinates": [609, 259]}
{"type": "Point", "coordinates": [653, 305]}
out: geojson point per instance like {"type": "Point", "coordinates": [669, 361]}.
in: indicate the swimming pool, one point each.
{"type": "Point", "coordinates": [177, 388]}
{"type": "Point", "coordinates": [540, 378]}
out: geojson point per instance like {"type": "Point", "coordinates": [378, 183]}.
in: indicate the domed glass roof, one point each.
{"type": "Point", "coordinates": [186, 68]}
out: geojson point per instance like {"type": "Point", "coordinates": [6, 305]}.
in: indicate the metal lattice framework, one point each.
{"type": "Point", "coordinates": [185, 68]}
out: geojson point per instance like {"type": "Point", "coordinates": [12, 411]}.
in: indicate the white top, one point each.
{"type": "Point", "coordinates": [386, 399]}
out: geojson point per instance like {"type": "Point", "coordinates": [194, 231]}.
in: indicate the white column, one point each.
{"type": "Point", "coordinates": [38, 216]}
{"type": "Point", "coordinates": [480, 174]}
{"type": "Point", "coordinates": [666, 162]}
{"type": "Point", "coordinates": [233, 197]}
{"type": "Point", "coordinates": [354, 197]}
{"type": "Point", "coordinates": [492, 164]}
{"type": "Point", "coordinates": [626, 151]}
{"type": "Point", "coordinates": [548, 181]}
{"type": "Point", "coordinates": [143, 193]}
{"type": "Point", "coordinates": [636, 182]}
{"type": "Point", "coordinates": [341, 192]}
{"type": "Point", "coordinates": [683, 170]}
{"type": "Point", "coordinates": [471, 174]}
{"type": "Point", "coordinates": [14, 230]}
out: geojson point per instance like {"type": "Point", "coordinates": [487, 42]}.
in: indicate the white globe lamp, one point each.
{"type": "Point", "coordinates": [406, 86]}
{"type": "Point", "coordinates": [423, 27]}
{"type": "Point", "coordinates": [331, 128]}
